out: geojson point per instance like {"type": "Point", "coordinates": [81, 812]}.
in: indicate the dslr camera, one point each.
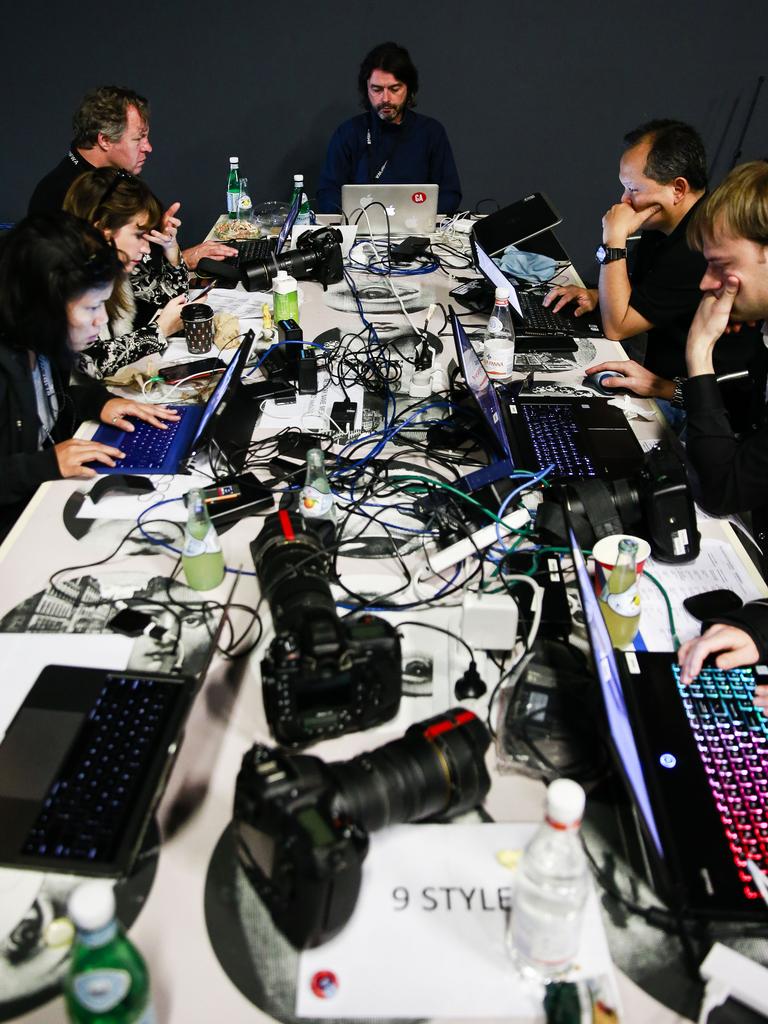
{"type": "Point", "coordinates": [317, 256]}
{"type": "Point", "coordinates": [322, 676]}
{"type": "Point", "coordinates": [301, 825]}
{"type": "Point", "coordinates": [655, 504]}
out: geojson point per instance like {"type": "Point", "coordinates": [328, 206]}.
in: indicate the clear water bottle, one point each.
{"type": "Point", "coordinates": [108, 980]}
{"type": "Point", "coordinates": [201, 558]}
{"type": "Point", "coordinates": [499, 340]}
{"type": "Point", "coordinates": [620, 596]}
{"type": "Point", "coordinates": [244, 204]}
{"type": "Point", "coordinates": [233, 187]}
{"type": "Point", "coordinates": [316, 498]}
{"type": "Point", "coordinates": [305, 214]}
{"type": "Point", "coordinates": [551, 887]}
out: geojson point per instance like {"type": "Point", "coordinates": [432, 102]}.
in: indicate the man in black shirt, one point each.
{"type": "Point", "coordinates": [110, 129]}
{"type": "Point", "coordinates": [663, 173]}
{"type": "Point", "coordinates": [731, 229]}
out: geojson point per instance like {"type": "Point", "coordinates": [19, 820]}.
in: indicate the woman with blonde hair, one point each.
{"type": "Point", "coordinates": [144, 309]}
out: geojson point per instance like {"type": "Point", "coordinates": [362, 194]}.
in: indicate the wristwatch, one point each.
{"type": "Point", "coordinates": [677, 396]}
{"type": "Point", "coordinates": [605, 255]}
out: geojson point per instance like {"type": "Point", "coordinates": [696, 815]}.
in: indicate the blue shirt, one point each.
{"type": "Point", "coordinates": [416, 151]}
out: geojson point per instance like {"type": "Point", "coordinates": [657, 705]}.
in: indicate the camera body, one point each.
{"type": "Point", "coordinates": [301, 825]}
{"type": "Point", "coordinates": [322, 676]}
{"type": "Point", "coordinates": [655, 504]}
{"type": "Point", "coordinates": [317, 256]}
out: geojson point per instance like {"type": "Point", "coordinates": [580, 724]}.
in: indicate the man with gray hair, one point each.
{"type": "Point", "coordinates": [110, 129]}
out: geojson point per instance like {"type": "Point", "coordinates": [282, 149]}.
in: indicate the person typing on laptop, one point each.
{"type": "Point", "coordinates": [731, 230]}
{"type": "Point", "coordinates": [664, 176]}
{"type": "Point", "coordinates": [110, 129]}
{"type": "Point", "coordinates": [56, 274]}
{"type": "Point", "coordinates": [389, 143]}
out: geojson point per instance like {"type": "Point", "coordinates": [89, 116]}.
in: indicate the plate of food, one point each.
{"type": "Point", "coordinates": [235, 230]}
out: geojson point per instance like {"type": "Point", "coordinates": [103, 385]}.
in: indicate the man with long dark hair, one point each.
{"type": "Point", "coordinates": [390, 143]}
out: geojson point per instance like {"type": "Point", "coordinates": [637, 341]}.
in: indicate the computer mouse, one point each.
{"type": "Point", "coordinates": [120, 483]}
{"type": "Point", "coordinates": [595, 381]}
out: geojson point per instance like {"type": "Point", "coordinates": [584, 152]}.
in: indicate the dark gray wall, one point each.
{"type": "Point", "coordinates": [534, 96]}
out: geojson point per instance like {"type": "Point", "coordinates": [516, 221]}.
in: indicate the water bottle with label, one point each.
{"type": "Point", "coordinates": [201, 559]}
{"type": "Point", "coordinates": [316, 498]}
{"type": "Point", "coordinates": [551, 888]}
{"type": "Point", "coordinates": [499, 341]}
{"type": "Point", "coordinates": [620, 596]}
{"type": "Point", "coordinates": [233, 187]}
{"type": "Point", "coordinates": [108, 980]}
{"type": "Point", "coordinates": [244, 204]}
{"type": "Point", "coordinates": [305, 214]}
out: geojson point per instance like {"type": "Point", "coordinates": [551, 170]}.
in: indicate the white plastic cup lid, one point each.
{"type": "Point", "coordinates": [565, 802]}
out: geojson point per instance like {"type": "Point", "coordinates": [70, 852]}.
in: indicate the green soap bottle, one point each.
{"type": "Point", "coordinates": [108, 981]}
{"type": "Point", "coordinates": [201, 557]}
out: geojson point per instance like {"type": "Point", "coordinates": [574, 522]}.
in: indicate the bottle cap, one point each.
{"type": "Point", "coordinates": [234, 159]}
{"type": "Point", "coordinates": [92, 906]}
{"type": "Point", "coordinates": [281, 275]}
{"type": "Point", "coordinates": [502, 293]}
{"type": "Point", "coordinates": [565, 802]}
{"type": "Point", "coordinates": [298, 179]}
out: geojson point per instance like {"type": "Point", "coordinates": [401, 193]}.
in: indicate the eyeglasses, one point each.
{"type": "Point", "coordinates": [120, 175]}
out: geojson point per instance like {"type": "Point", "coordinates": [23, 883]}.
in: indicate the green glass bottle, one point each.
{"type": "Point", "coordinates": [201, 557]}
{"type": "Point", "coordinates": [233, 187]}
{"type": "Point", "coordinates": [108, 981]}
{"type": "Point", "coordinates": [305, 214]}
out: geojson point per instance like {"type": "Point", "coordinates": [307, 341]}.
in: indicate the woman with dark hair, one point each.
{"type": "Point", "coordinates": [56, 275]}
{"type": "Point", "coordinates": [141, 317]}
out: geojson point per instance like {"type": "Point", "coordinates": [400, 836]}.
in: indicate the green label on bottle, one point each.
{"type": "Point", "coordinates": [101, 991]}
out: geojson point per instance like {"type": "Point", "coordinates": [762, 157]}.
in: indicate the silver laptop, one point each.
{"type": "Point", "coordinates": [410, 209]}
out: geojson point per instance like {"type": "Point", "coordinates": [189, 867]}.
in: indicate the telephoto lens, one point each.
{"type": "Point", "coordinates": [302, 825]}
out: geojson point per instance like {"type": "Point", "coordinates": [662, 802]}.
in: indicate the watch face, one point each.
{"type": "Point", "coordinates": [601, 254]}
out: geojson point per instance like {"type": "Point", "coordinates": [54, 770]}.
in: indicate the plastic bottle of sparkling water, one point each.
{"type": "Point", "coordinates": [201, 558]}
{"type": "Point", "coordinates": [316, 499]}
{"type": "Point", "coordinates": [233, 187]}
{"type": "Point", "coordinates": [108, 981]}
{"type": "Point", "coordinates": [305, 214]}
{"type": "Point", "coordinates": [551, 887]}
{"type": "Point", "coordinates": [620, 597]}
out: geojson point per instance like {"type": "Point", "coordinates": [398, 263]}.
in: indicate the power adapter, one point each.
{"type": "Point", "coordinates": [489, 621]}
{"type": "Point", "coordinates": [729, 973]}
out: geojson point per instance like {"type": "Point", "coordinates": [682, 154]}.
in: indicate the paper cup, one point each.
{"type": "Point", "coordinates": [606, 551]}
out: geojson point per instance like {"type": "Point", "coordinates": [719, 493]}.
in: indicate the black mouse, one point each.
{"type": "Point", "coordinates": [120, 483]}
{"type": "Point", "coordinates": [595, 381]}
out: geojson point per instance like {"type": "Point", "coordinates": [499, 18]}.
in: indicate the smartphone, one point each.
{"type": "Point", "coordinates": [179, 371]}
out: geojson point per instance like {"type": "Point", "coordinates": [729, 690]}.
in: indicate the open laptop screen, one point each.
{"type": "Point", "coordinates": [479, 383]}
{"type": "Point", "coordinates": [229, 379]}
{"type": "Point", "coordinates": [493, 273]}
{"type": "Point", "coordinates": [288, 223]}
{"type": "Point", "coordinates": [613, 694]}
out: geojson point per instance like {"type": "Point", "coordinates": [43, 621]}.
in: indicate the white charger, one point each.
{"type": "Point", "coordinates": [489, 621]}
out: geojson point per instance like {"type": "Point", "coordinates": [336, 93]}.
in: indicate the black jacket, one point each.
{"type": "Point", "coordinates": [23, 465]}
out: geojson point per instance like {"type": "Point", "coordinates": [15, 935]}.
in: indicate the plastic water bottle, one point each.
{"type": "Point", "coordinates": [285, 297]}
{"type": "Point", "coordinates": [233, 187]}
{"type": "Point", "coordinates": [620, 596]}
{"type": "Point", "coordinates": [108, 980]}
{"type": "Point", "coordinates": [551, 887]}
{"type": "Point", "coordinates": [499, 341]}
{"type": "Point", "coordinates": [201, 557]}
{"type": "Point", "coordinates": [316, 499]}
{"type": "Point", "coordinates": [305, 214]}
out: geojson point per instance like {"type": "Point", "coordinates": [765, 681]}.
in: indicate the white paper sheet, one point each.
{"type": "Point", "coordinates": [717, 567]}
{"type": "Point", "coordinates": [427, 936]}
{"type": "Point", "coordinates": [311, 412]}
{"type": "Point", "coordinates": [24, 655]}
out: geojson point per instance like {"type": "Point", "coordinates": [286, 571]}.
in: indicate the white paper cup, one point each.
{"type": "Point", "coordinates": [606, 551]}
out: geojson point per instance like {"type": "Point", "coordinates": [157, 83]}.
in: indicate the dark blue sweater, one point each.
{"type": "Point", "coordinates": [417, 151]}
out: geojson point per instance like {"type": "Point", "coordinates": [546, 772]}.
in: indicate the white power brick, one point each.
{"type": "Point", "coordinates": [489, 621]}
{"type": "Point", "coordinates": [480, 539]}
{"type": "Point", "coordinates": [745, 980]}
{"type": "Point", "coordinates": [463, 226]}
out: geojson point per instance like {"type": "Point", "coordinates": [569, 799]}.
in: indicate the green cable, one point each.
{"type": "Point", "coordinates": [665, 595]}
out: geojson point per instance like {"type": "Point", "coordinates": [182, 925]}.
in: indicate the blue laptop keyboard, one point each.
{"type": "Point", "coordinates": [554, 434]}
{"type": "Point", "coordinates": [90, 801]}
{"type": "Point", "coordinates": [732, 738]}
{"type": "Point", "coordinates": [147, 446]}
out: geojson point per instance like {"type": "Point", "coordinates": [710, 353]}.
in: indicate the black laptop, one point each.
{"type": "Point", "coordinates": [151, 450]}
{"type": "Point", "coordinates": [250, 250]}
{"type": "Point", "coordinates": [577, 437]}
{"type": "Point", "coordinates": [530, 317]}
{"type": "Point", "coordinates": [695, 763]}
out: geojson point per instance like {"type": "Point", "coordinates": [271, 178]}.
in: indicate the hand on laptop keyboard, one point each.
{"type": "Point", "coordinates": [735, 647]}
{"type": "Point", "coordinates": [116, 411]}
{"type": "Point", "coordinates": [571, 300]}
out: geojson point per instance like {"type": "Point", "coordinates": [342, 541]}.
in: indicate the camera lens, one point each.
{"type": "Point", "coordinates": [291, 567]}
{"type": "Point", "coordinates": [436, 771]}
